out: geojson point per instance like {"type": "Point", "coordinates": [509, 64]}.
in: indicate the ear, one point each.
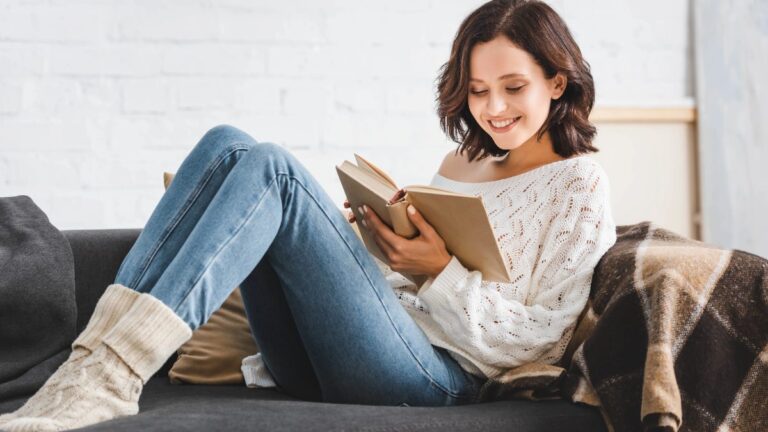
{"type": "Point", "coordinates": [560, 82]}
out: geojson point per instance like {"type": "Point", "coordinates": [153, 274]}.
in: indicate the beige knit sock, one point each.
{"type": "Point", "coordinates": [112, 377]}
{"type": "Point", "coordinates": [113, 304]}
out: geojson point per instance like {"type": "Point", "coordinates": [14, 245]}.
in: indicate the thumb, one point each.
{"type": "Point", "coordinates": [418, 220]}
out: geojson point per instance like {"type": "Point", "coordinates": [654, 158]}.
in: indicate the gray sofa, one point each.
{"type": "Point", "coordinates": [168, 407]}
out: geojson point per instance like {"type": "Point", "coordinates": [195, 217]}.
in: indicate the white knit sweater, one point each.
{"type": "Point", "coordinates": [553, 224]}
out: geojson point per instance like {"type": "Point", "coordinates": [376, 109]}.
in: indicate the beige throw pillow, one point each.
{"type": "Point", "coordinates": [215, 352]}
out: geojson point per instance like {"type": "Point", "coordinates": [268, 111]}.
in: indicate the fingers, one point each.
{"type": "Point", "coordinates": [350, 216]}
{"type": "Point", "coordinates": [381, 233]}
{"type": "Point", "coordinates": [380, 229]}
{"type": "Point", "coordinates": [385, 247]}
{"type": "Point", "coordinates": [422, 225]}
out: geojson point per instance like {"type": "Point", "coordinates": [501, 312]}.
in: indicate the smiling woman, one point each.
{"type": "Point", "coordinates": [516, 95]}
{"type": "Point", "coordinates": [528, 82]}
{"type": "Point", "coordinates": [331, 323]}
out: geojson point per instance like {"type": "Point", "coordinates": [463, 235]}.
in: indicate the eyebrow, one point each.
{"type": "Point", "coordinates": [501, 77]}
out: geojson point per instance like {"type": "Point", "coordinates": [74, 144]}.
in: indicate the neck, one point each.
{"type": "Point", "coordinates": [533, 152]}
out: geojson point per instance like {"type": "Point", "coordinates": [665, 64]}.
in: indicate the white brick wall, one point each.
{"type": "Point", "coordinates": [97, 98]}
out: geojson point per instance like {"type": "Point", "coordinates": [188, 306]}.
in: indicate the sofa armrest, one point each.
{"type": "Point", "coordinates": [98, 254]}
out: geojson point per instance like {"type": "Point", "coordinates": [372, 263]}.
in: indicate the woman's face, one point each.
{"type": "Point", "coordinates": [509, 87]}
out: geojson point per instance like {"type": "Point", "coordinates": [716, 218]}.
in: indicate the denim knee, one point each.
{"type": "Point", "coordinates": [218, 143]}
{"type": "Point", "coordinates": [226, 135]}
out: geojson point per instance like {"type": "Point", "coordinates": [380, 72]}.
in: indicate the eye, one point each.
{"type": "Point", "coordinates": [511, 90]}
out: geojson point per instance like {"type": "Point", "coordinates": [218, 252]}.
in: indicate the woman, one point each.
{"type": "Point", "coordinates": [331, 325]}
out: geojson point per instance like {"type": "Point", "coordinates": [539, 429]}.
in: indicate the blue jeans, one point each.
{"type": "Point", "coordinates": [330, 328]}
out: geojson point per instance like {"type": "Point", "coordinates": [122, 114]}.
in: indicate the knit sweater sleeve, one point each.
{"type": "Point", "coordinates": [504, 330]}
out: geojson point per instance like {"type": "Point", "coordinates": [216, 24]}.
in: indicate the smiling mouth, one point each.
{"type": "Point", "coordinates": [506, 125]}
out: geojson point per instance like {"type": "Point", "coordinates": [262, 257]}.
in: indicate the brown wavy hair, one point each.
{"type": "Point", "coordinates": [536, 28]}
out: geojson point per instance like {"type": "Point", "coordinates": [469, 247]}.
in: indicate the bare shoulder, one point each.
{"type": "Point", "coordinates": [453, 164]}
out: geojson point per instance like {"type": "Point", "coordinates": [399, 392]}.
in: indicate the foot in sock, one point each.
{"type": "Point", "coordinates": [110, 381]}
{"type": "Point", "coordinates": [104, 388]}
{"type": "Point", "coordinates": [34, 404]}
{"type": "Point", "coordinates": [113, 304]}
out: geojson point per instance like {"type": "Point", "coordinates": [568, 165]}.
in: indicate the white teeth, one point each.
{"type": "Point", "coordinates": [502, 124]}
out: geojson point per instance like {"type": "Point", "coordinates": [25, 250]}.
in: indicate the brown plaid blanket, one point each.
{"type": "Point", "coordinates": [674, 338]}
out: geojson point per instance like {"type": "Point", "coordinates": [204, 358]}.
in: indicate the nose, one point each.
{"type": "Point", "coordinates": [496, 105]}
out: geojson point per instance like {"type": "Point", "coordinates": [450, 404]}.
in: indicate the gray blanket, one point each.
{"type": "Point", "coordinates": [38, 313]}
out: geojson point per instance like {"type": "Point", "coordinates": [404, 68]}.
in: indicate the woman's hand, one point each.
{"type": "Point", "coordinates": [350, 215]}
{"type": "Point", "coordinates": [423, 254]}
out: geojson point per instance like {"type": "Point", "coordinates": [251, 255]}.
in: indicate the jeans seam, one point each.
{"type": "Point", "coordinates": [185, 209]}
{"type": "Point", "coordinates": [421, 366]}
{"type": "Point", "coordinates": [256, 205]}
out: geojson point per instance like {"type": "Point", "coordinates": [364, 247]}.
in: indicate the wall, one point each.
{"type": "Point", "coordinates": [732, 90]}
{"type": "Point", "coordinates": [97, 98]}
{"type": "Point", "coordinates": [650, 158]}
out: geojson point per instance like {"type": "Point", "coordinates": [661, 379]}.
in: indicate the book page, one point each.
{"type": "Point", "coordinates": [365, 164]}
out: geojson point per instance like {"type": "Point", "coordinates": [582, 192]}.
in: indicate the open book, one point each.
{"type": "Point", "coordinates": [460, 219]}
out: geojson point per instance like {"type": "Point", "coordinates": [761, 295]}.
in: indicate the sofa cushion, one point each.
{"type": "Point", "coordinates": [167, 407]}
{"type": "Point", "coordinates": [38, 316]}
{"type": "Point", "coordinates": [215, 352]}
